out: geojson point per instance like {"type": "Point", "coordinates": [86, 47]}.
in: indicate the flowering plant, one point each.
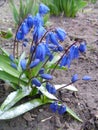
{"type": "Point", "coordinates": [30, 74]}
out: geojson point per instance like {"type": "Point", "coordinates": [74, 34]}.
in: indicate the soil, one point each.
{"type": "Point", "coordinates": [85, 101]}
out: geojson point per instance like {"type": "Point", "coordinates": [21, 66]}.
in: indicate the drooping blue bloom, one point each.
{"type": "Point", "coordinates": [86, 77]}
{"type": "Point", "coordinates": [46, 76]}
{"type": "Point", "coordinates": [11, 57]}
{"type": "Point", "coordinates": [40, 52]}
{"type": "Point", "coordinates": [24, 28]}
{"type": "Point", "coordinates": [61, 34]}
{"type": "Point", "coordinates": [82, 47]}
{"type": "Point", "coordinates": [62, 109]}
{"type": "Point", "coordinates": [50, 88]}
{"type": "Point", "coordinates": [76, 52]}
{"type": "Point", "coordinates": [74, 78]}
{"type": "Point", "coordinates": [36, 82]}
{"type": "Point", "coordinates": [20, 36]}
{"type": "Point", "coordinates": [54, 106]}
{"type": "Point", "coordinates": [30, 21]}
{"type": "Point", "coordinates": [41, 71]}
{"type": "Point", "coordinates": [34, 63]}
{"type": "Point", "coordinates": [23, 64]}
{"type": "Point", "coordinates": [43, 9]}
{"type": "Point", "coordinates": [64, 61]}
{"type": "Point", "coordinates": [38, 20]}
{"type": "Point", "coordinates": [53, 38]}
{"type": "Point", "coordinates": [39, 31]}
{"type": "Point", "coordinates": [13, 65]}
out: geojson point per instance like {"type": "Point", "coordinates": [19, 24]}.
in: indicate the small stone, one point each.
{"type": "Point", "coordinates": [27, 116]}
{"type": "Point", "coordinates": [41, 110]}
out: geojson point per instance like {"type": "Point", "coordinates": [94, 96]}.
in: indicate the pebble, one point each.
{"type": "Point", "coordinates": [27, 116]}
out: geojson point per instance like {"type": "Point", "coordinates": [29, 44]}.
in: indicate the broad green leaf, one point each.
{"type": "Point", "coordinates": [55, 59]}
{"type": "Point", "coordinates": [69, 87]}
{"type": "Point", "coordinates": [7, 77]}
{"type": "Point", "coordinates": [46, 93]}
{"type": "Point", "coordinates": [58, 67]}
{"type": "Point", "coordinates": [14, 97]}
{"type": "Point", "coordinates": [4, 52]}
{"type": "Point", "coordinates": [21, 109]}
{"type": "Point", "coordinates": [6, 34]}
{"type": "Point", "coordinates": [72, 113]}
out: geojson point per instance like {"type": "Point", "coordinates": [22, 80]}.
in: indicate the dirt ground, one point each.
{"type": "Point", "coordinates": [85, 101]}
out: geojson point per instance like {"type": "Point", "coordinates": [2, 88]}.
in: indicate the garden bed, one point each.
{"type": "Point", "coordinates": [85, 101]}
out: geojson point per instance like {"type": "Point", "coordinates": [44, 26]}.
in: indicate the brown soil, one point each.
{"type": "Point", "coordinates": [85, 101]}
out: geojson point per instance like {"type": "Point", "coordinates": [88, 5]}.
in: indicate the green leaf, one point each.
{"type": "Point", "coordinates": [14, 97]}
{"type": "Point", "coordinates": [7, 77]}
{"type": "Point", "coordinates": [55, 59]}
{"type": "Point", "coordinates": [5, 65]}
{"type": "Point", "coordinates": [46, 93]}
{"type": "Point", "coordinates": [72, 113]}
{"type": "Point", "coordinates": [6, 34]}
{"type": "Point", "coordinates": [21, 109]}
{"type": "Point", "coordinates": [14, 11]}
{"type": "Point", "coordinates": [69, 87]}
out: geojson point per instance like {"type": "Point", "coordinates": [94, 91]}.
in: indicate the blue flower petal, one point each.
{"type": "Point", "coordinates": [86, 78]}
{"type": "Point", "coordinates": [43, 9]}
{"type": "Point", "coordinates": [46, 76]}
{"type": "Point", "coordinates": [54, 106]}
{"type": "Point", "coordinates": [82, 47]}
{"type": "Point", "coordinates": [23, 64]}
{"type": "Point", "coordinates": [61, 34]}
{"type": "Point", "coordinates": [14, 65]}
{"type": "Point", "coordinates": [36, 82]}
{"type": "Point", "coordinates": [11, 57]}
{"type": "Point", "coordinates": [74, 78]}
{"type": "Point", "coordinates": [62, 109]}
{"type": "Point", "coordinates": [50, 88]}
{"type": "Point", "coordinates": [34, 63]}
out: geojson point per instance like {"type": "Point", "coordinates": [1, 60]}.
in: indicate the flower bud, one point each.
{"type": "Point", "coordinates": [62, 109]}
{"type": "Point", "coordinates": [46, 76]}
{"type": "Point", "coordinates": [86, 78]}
{"type": "Point", "coordinates": [34, 63]}
{"type": "Point", "coordinates": [36, 82]}
{"type": "Point", "coordinates": [54, 106]}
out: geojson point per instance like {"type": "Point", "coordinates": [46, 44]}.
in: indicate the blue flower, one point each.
{"type": "Point", "coordinates": [74, 52]}
{"type": "Point", "coordinates": [54, 106]}
{"type": "Point", "coordinates": [82, 47]}
{"type": "Point", "coordinates": [53, 38]}
{"type": "Point", "coordinates": [64, 61]}
{"type": "Point", "coordinates": [11, 57]}
{"type": "Point", "coordinates": [30, 21]}
{"type": "Point", "coordinates": [50, 88]}
{"type": "Point", "coordinates": [46, 76]}
{"type": "Point", "coordinates": [34, 63]}
{"type": "Point", "coordinates": [41, 71]}
{"type": "Point", "coordinates": [62, 109]}
{"type": "Point", "coordinates": [20, 35]}
{"type": "Point", "coordinates": [43, 9]}
{"type": "Point", "coordinates": [86, 77]}
{"type": "Point", "coordinates": [24, 28]}
{"type": "Point", "coordinates": [61, 34]}
{"type": "Point", "coordinates": [39, 31]}
{"type": "Point", "coordinates": [23, 64]}
{"type": "Point", "coordinates": [40, 52]}
{"type": "Point", "coordinates": [36, 82]}
{"type": "Point", "coordinates": [74, 78]}
{"type": "Point", "coordinates": [38, 20]}
{"type": "Point", "coordinates": [13, 65]}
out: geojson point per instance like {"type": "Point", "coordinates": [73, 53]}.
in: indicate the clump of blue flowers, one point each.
{"type": "Point", "coordinates": [33, 72]}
